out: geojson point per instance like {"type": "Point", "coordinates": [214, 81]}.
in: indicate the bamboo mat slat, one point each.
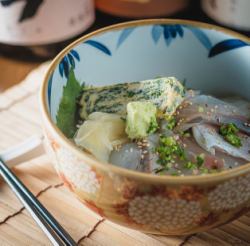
{"type": "Point", "coordinates": [19, 119]}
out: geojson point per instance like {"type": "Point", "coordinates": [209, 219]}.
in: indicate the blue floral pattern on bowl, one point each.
{"type": "Point", "coordinates": [186, 51]}
{"type": "Point", "coordinates": [68, 61]}
{"type": "Point", "coordinates": [169, 32]}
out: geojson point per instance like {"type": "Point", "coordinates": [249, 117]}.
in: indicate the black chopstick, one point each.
{"type": "Point", "coordinates": [44, 219]}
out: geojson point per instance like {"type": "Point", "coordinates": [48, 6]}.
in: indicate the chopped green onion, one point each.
{"type": "Point", "coordinates": [200, 109]}
{"type": "Point", "coordinates": [175, 174]}
{"type": "Point", "coordinates": [153, 126]}
{"type": "Point", "coordinates": [190, 165]}
{"type": "Point", "coordinates": [171, 122]}
{"type": "Point", "coordinates": [204, 170]}
{"type": "Point", "coordinates": [229, 131]}
{"type": "Point", "coordinates": [168, 150]}
{"type": "Point", "coordinates": [233, 139]}
{"type": "Point", "coordinates": [199, 160]}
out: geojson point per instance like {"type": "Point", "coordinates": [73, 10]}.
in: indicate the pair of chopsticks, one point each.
{"type": "Point", "coordinates": [54, 231]}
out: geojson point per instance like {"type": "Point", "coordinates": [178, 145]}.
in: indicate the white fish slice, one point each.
{"type": "Point", "coordinates": [209, 139]}
{"type": "Point", "coordinates": [207, 109]}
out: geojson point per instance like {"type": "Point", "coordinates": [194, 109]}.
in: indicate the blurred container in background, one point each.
{"type": "Point", "coordinates": [141, 8]}
{"type": "Point", "coordinates": [39, 29]}
{"type": "Point", "coordinates": [231, 13]}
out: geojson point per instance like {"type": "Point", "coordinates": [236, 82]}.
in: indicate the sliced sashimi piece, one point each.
{"type": "Point", "coordinates": [207, 109]}
{"type": "Point", "coordinates": [208, 137]}
{"type": "Point", "coordinates": [193, 150]}
{"type": "Point", "coordinates": [127, 156]}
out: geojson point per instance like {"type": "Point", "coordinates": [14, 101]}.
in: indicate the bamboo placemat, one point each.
{"type": "Point", "coordinates": [19, 119]}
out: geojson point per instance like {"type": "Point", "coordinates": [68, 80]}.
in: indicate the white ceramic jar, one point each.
{"type": "Point", "coordinates": [232, 13]}
{"type": "Point", "coordinates": [40, 22]}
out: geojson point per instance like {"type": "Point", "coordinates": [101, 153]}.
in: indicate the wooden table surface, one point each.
{"type": "Point", "coordinates": [13, 71]}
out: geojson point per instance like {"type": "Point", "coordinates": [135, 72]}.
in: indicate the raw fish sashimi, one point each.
{"type": "Point", "coordinates": [208, 138]}
{"type": "Point", "coordinates": [207, 109]}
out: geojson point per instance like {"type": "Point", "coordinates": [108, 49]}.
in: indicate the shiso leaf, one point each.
{"type": "Point", "coordinates": [66, 115]}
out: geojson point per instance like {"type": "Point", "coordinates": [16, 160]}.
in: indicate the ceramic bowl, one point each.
{"type": "Point", "coordinates": [205, 57]}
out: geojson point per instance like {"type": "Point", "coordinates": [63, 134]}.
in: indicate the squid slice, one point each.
{"type": "Point", "coordinates": [128, 156]}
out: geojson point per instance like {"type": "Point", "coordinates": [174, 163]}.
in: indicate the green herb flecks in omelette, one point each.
{"type": "Point", "coordinates": [165, 93]}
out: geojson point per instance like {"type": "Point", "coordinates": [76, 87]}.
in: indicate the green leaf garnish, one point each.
{"type": "Point", "coordinates": [66, 115]}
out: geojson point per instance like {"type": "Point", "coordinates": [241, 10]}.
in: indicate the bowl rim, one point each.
{"type": "Point", "coordinates": [107, 167]}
